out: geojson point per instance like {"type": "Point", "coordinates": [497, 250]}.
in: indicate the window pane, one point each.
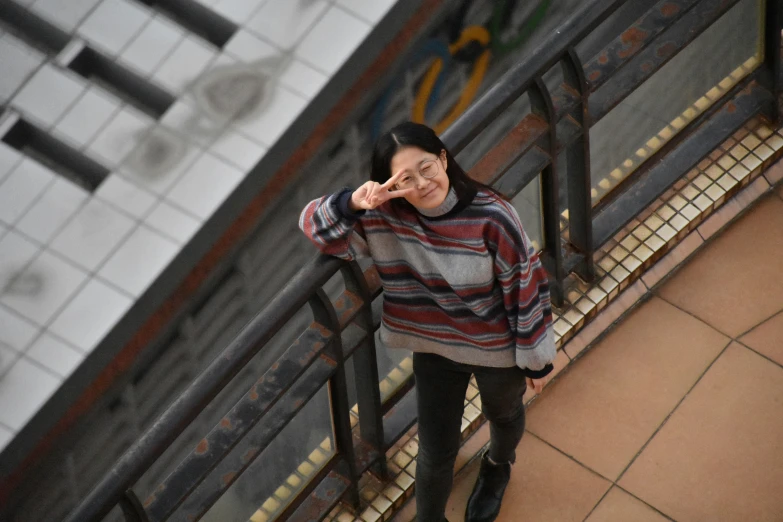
{"type": "Point", "coordinates": [697, 77]}
{"type": "Point", "coordinates": [283, 469]}
{"type": "Point", "coordinates": [528, 205]}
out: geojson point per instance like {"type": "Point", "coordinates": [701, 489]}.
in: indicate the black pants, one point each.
{"type": "Point", "coordinates": [441, 385]}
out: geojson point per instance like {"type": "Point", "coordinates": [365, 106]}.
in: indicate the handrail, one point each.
{"type": "Point", "coordinates": [151, 445]}
{"type": "Point", "coordinates": [522, 75]}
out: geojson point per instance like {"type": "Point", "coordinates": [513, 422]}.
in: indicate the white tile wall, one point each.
{"type": "Point", "coordinates": [207, 171]}
{"type": "Point", "coordinates": [113, 24]}
{"type": "Point", "coordinates": [282, 110]}
{"type": "Point", "coordinates": [248, 47]}
{"type": "Point", "coordinates": [72, 263]}
{"type": "Point", "coordinates": [16, 333]}
{"type": "Point", "coordinates": [9, 159]}
{"type": "Point", "coordinates": [20, 189]}
{"type": "Point", "coordinates": [285, 22]}
{"type": "Point", "coordinates": [58, 203]}
{"type": "Point", "coordinates": [45, 105]}
{"type": "Point", "coordinates": [157, 180]}
{"type": "Point", "coordinates": [333, 39]}
{"type": "Point", "coordinates": [86, 117]}
{"type": "Point", "coordinates": [18, 251]}
{"type": "Point", "coordinates": [126, 196]}
{"type": "Point", "coordinates": [303, 79]}
{"type": "Point", "coordinates": [372, 11]}
{"type": "Point", "coordinates": [55, 355]}
{"type": "Point", "coordinates": [90, 315]}
{"type": "Point", "coordinates": [42, 288]}
{"type": "Point", "coordinates": [152, 45]}
{"type": "Point", "coordinates": [192, 124]}
{"type": "Point", "coordinates": [238, 11]}
{"type": "Point", "coordinates": [185, 63]}
{"type": "Point", "coordinates": [139, 260]}
{"type": "Point", "coordinates": [66, 14]}
{"type": "Point", "coordinates": [17, 61]}
{"type": "Point", "coordinates": [6, 435]}
{"type": "Point", "coordinates": [123, 132]}
{"type": "Point", "coordinates": [238, 150]}
{"type": "Point", "coordinates": [173, 222]}
{"type": "Point", "coordinates": [24, 389]}
{"type": "Point", "coordinates": [7, 358]}
{"type": "Point", "coordinates": [93, 234]}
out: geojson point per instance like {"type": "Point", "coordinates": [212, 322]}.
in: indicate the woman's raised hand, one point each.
{"type": "Point", "coordinates": [372, 194]}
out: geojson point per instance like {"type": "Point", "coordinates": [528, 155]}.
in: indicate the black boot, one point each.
{"type": "Point", "coordinates": [484, 502]}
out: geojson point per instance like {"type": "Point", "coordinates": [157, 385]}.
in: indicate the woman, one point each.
{"type": "Point", "coordinates": [463, 289]}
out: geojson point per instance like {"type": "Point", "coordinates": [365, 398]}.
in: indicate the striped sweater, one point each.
{"type": "Point", "coordinates": [466, 284]}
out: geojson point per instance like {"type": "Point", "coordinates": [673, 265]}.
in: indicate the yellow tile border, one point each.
{"type": "Point", "coordinates": [661, 238]}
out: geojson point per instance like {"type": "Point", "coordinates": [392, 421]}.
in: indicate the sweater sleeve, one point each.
{"type": "Point", "coordinates": [333, 228]}
{"type": "Point", "coordinates": [525, 287]}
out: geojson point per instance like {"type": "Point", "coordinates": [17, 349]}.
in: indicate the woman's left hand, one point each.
{"type": "Point", "coordinates": [537, 384]}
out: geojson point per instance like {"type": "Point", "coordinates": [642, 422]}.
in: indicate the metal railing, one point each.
{"type": "Point", "coordinates": [558, 122]}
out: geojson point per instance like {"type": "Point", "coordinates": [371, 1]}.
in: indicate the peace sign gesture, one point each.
{"type": "Point", "coordinates": [372, 194]}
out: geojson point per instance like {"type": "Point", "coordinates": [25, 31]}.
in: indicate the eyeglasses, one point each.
{"type": "Point", "coordinates": [427, 170]}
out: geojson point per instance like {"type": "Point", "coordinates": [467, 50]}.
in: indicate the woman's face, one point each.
{"type": "Point", "coordinates": [418, 166]}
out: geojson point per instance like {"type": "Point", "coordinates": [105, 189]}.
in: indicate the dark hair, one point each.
{"type": "Point", "coordinates": [411, 134]}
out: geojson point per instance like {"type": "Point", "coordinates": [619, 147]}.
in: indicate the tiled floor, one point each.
{"type": "Point", "coordinates": [676, 414]}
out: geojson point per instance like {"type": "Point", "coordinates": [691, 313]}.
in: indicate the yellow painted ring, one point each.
{"type": "Point", "coordinates": [469, 34]}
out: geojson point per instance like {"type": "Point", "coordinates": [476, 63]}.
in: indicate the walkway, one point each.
{"type": "Point", "coordinates": [677, 414]}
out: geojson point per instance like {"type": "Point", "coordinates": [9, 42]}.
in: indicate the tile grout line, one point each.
{"type": "Point", "coordinates": [571, 457]}
{"type": "Point", "coordinates": [746, 332]}
{"type": "Point", "coordinates": [691, 314]}
{"type": "Point", "coordinates": [62, 257]}
{"type": "Point", "coordinates": [91, 275]}
{"type": "Point", "coordinates": [645, 503]}
{"type": "Point", "coordinates": [600, 500]}
{"type": "Point", "coordinates": [760, 354]}
{"type": "Point", "coordinates": [672, 412]}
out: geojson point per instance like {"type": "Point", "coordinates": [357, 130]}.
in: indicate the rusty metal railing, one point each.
{"type": "Point", "coordinates": [559, 122]}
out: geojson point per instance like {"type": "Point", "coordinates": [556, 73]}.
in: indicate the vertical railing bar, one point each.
{"type": "Point", "coordinates": [541, 102]}
{"type": "Point", "coordinates": [365, 366]}
{"type": "Point", "coordinates": [324, 313]}
{"type": "Point", "coordinates": [773, 23]}
{"type": "Point", "coordinates": [132, 509]}
{"type": "Point", "coordinates": [580, 204]}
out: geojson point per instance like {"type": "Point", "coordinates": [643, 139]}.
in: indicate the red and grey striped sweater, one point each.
{"type": "Point", "coordinates": [462, 282]}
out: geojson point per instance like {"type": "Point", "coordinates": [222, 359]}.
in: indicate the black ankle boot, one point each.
{"type": "Point", "coordinates": [484, 502]}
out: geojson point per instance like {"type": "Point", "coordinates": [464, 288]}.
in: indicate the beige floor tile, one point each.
{"type": "Point", "coordinates": [463, 486]}
{"type": "Point", "coordinates": [545, 486]}
{"type": "Point", "coordinates": [731, 208]}
{"type": "Point", "coordinates": [619, 506]}
{"type": "Point", "coordinates": [734, 283]}
{"type": "Point", "coordinates": [775, 173]}
{"type": "Point", "coordinates": [471, 447]}
{"type": "Point", "coordinates": [605, 318]}
{"type": "Point", "coordinates": [767, 338]}
{"type": "Point", "coordinates": [614, 398]}
{"type": "Point", "coordinates": [720, 455]}
{"type": "Point", "coordinates": [672, 260]}
{"type": "Point", "coordinates": [560, 363]}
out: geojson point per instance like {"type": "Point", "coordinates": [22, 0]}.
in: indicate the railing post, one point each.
{"type": "Point", "coordinates": [131, 507]}
{"type": "Point", "coordinates": [773, 23]}
{"type": "Point", "coordinates": [324, 313]}
{"type": "Point", "coordinates": [541, 103]}
{"type": "Point", "coordinates": [580, 205]}
{"type": "Point", "coordinates": [365, 367]}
